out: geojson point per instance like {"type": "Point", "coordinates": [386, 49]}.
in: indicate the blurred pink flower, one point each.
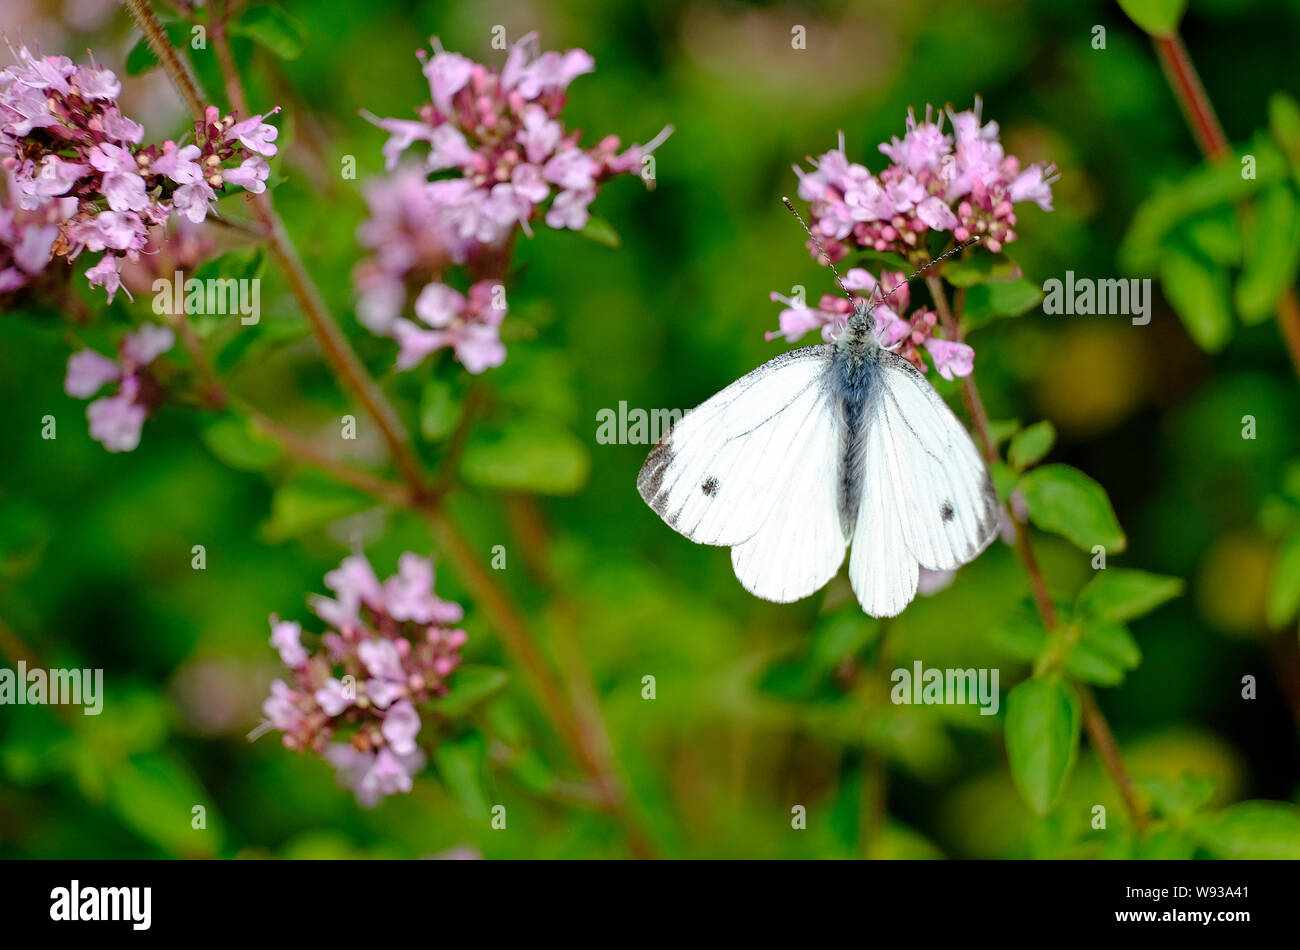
{"type": "Point", "coordinates": [502, 135]}
{"type": "Point", "coordinates": [116, 420]}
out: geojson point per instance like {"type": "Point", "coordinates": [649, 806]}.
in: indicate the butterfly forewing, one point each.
{"type": "Point", "coordinates": [718, 474]}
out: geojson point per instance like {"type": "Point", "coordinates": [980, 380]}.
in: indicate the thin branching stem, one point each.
{"type": "Point", "coordinates": [1094, 721]}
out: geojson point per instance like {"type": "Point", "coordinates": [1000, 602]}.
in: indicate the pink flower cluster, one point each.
{"type": "Point", "coordinates": [63, 136]}
{"type": "Point", "coordinates": [960, 182]}
{"type": "Point", "coordinates": [467, 323]}
{"type": "Point", "coordinates": [906, 335]}
{"type": "Point", "coordinates": [116, 420]}
{"type": "Point", "coordinates": [26, 236]}
{"type": "Point", "coordinates": [502, 158]}
{"type": "Point", "coordinates": [392, 648]}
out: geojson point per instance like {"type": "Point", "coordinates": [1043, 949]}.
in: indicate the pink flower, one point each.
{"type": "Point", "coordinates": [951, 359]}
{"type": "Point", "coordinates": [401, 726]}
{"type": "Point", "coordinates": [1033, 184]}
{"type": "Point", "coordinates": [104, 274]}
{"type": "Point", "coordinates": [355, 580]}
{"type": "Point", "coordinates": [448, 74]}
{"type": "Point", "coordinates": [334, 697]}
{"type": "Point", "coordinates": [438, 305]}
{"type": "Point", "coordinates": [193, 201]}
{"type": "Point", "coordinates": [373, 776]}
{"type": "Point", "coordinates": [178, 164]}
{"type": "Point", "coordinates": [88, 372]}
{"type": "Point", "coordinates": [922, 147]}
{"type": "Point", "coordinates": [388, 680]}
{"type": "Point", "coordinates": [961, 183]}
{"type": "Point", "coordinates": [532, 76]}
{"type": "Point", "coordinates": [540, 134]}
{"type": "Point", "coordinates": [146, 344]}
{"type": "Point", "coordinates": [931, 582]}
{"type": "Point", "coordinates": [402, 134]}
{"type": "Point", "coordinates": [502, 136]}
{"type": "Point", "coordinates": [280, 707]}
{"type": "Point", "coordinates": [528, 183]}
{"type": "Point", "coordinates": [406, 663]}
{"type": "Point", "coordinates": [448, 149]}
{"type": "Point", "coordinates": [286, 638]}
{"type": "Point", "coordinates": [56, 177]}
{"type": "Point", "coordinates": [116, 421]}
{"type": "Point", "coordinates": [251, 174]}
{"type": "Point", "coordinates": [256, 135]}
{"type": "Point", "coordinates": [95, 82]}
{"type": "Point", "coordinates": [409, 595]}
{"type": "Point", "coordinates": [569, 210]}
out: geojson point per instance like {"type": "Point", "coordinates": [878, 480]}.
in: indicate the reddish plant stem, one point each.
{"type": "Point", "coordinates": [1204, 123]}
{"type": "Point", "coordinates": [1094, 721]}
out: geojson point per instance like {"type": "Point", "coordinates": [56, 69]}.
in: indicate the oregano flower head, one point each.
{"type": "Point", "coordinates": [353, 698]}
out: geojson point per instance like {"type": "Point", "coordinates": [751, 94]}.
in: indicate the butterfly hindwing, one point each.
{"type": "Point", "coordinates": [927, 499]}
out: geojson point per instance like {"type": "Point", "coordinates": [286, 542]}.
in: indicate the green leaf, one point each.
{"type": "Point", "coordinates": [1272, 253]}
{"type": "Point", "coordinates": [310, 501]}
{"type": "Point", "coordinates": [1157, 17]}
{"type": "Point", "coordinates": [238, 442]}
{"type": "Point", "coordinates": [141, 58]}
{"type": "Point", "coordinates": [1254, 830]}
{"type": "Point", "coordinates": [1085, 662]}
{"type": "Point", "coordinates": [154, 795]}
{"type": "Point", "coordinates": [979, 266]}
{"type": "Point", "coordinates": [1065, 501]}
{"type": "Point", "coordinates": [1111, 640]}
{"type": "Point", "coordinates": [1022, 637]}
{"type": "Point", "coordinates": [1199, 292]}
{"type": "Point", "coordinates": [601, 231]}
{"type": "Point", "coordinates": [1004, 480]}
{"type": "Point", "coordinates": [273, 27]}
{"type": "Point", "coordinates": [440, 409]}
{"type": "Point", "coordinates": [532, 456]}
{"type": "Point", "coordinates": [1042, 732]}
{"type": "Point", "coordinates": [998, 298]}
{"type": "Point", "coordinates": [1284, 592]}
{"type": "Point", "coordinates": [1030, 445]}
{"type": "Point", "coordinates": [840, 635]}
{"type": "Point", "coordinates": [1179, 798]}
{"type": "Point", "coordinates": [461, 764]}
{"type": "Point", "coordinates": [1118, 594]}
{"type": "Point", "coordinates": [1002, 429]}
{"type": "Point", "coordinates": [1284, 123]}
{"type": "Point", "coordinates": [1212, 187]}
{"type": "Point", "coordinates": [1216, 234]}
{"type": "Point", "coordinates": [469, 686]}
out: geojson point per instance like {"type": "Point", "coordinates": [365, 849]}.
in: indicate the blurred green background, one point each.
{"type": "Point", "coordinates": [759, 707]}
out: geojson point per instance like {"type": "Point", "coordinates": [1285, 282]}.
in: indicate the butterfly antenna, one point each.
{"type": "Point", "coordinates": [948, 253]}
{"type": "Point", "coordinates": [822, 251]}
{"type": "Point", "coordinates": [877, 298]}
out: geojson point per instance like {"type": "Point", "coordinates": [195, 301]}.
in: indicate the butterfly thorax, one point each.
{"type": "Point", "coordinates": [857, 344]}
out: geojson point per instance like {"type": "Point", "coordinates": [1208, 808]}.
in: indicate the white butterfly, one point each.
{"type": "Point", "coordinates": [822, 447]}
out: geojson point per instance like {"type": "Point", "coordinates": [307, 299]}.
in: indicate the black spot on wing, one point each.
{"type": "Point", "coordinates": [710, 486]}
{"type": "Point", "coordinates": [945, 512]}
